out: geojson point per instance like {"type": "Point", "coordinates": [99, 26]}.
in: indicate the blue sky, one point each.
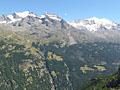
{"type": "Point", "coordinates": [68, 9]}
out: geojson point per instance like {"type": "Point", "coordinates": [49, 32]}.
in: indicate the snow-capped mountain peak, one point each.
{"type": "Point", "coordinates": [29, 19]}
{"type": "Point", "coordinates": [17, 16]}
{"type": "Point", "coordinates": [52, 16]}
{"type": "Point", "coordinates": [25, 14]}
{"type": "Point", "coordinates": [102, 21]}
{"type": "Point", "coordinates": [93, 24]}
{"type": "Point", "coordinates": [12, 19]}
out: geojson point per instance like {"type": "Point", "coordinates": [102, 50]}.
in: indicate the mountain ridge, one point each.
{"type": "Point", "coordinates": [92, 24]}
{"type": "Point", "coordinates": [50, 25]}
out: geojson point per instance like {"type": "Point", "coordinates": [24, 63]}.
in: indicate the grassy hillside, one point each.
{"type": "Point", "coordinates": [20, 69]}
{"type": "Point", "coordinates": [80, 62]}
{"type": "Point", "coordinates": [111, 82]}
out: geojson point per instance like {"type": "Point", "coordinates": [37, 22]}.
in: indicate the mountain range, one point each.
{"type": "Point", "coordinates": [91, 24]}
{"type": "Point", "coordinates": [94, 28]}
{"type": "Point", "coordinates": [49, 53]}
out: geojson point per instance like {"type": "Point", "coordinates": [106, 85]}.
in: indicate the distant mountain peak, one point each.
{"type": "Point", "coordinates": [93, 23]}
{"type": "Point", "coordinates": [102, 21]}
{"type": "Point", "coordinates": [25, 14]}
{"type": "Point", "coordinates": [30, 19]}
{"type": "Point", "coordinates": [18, 16]}
{"type": "Point", "coordinates": [51, 16]}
